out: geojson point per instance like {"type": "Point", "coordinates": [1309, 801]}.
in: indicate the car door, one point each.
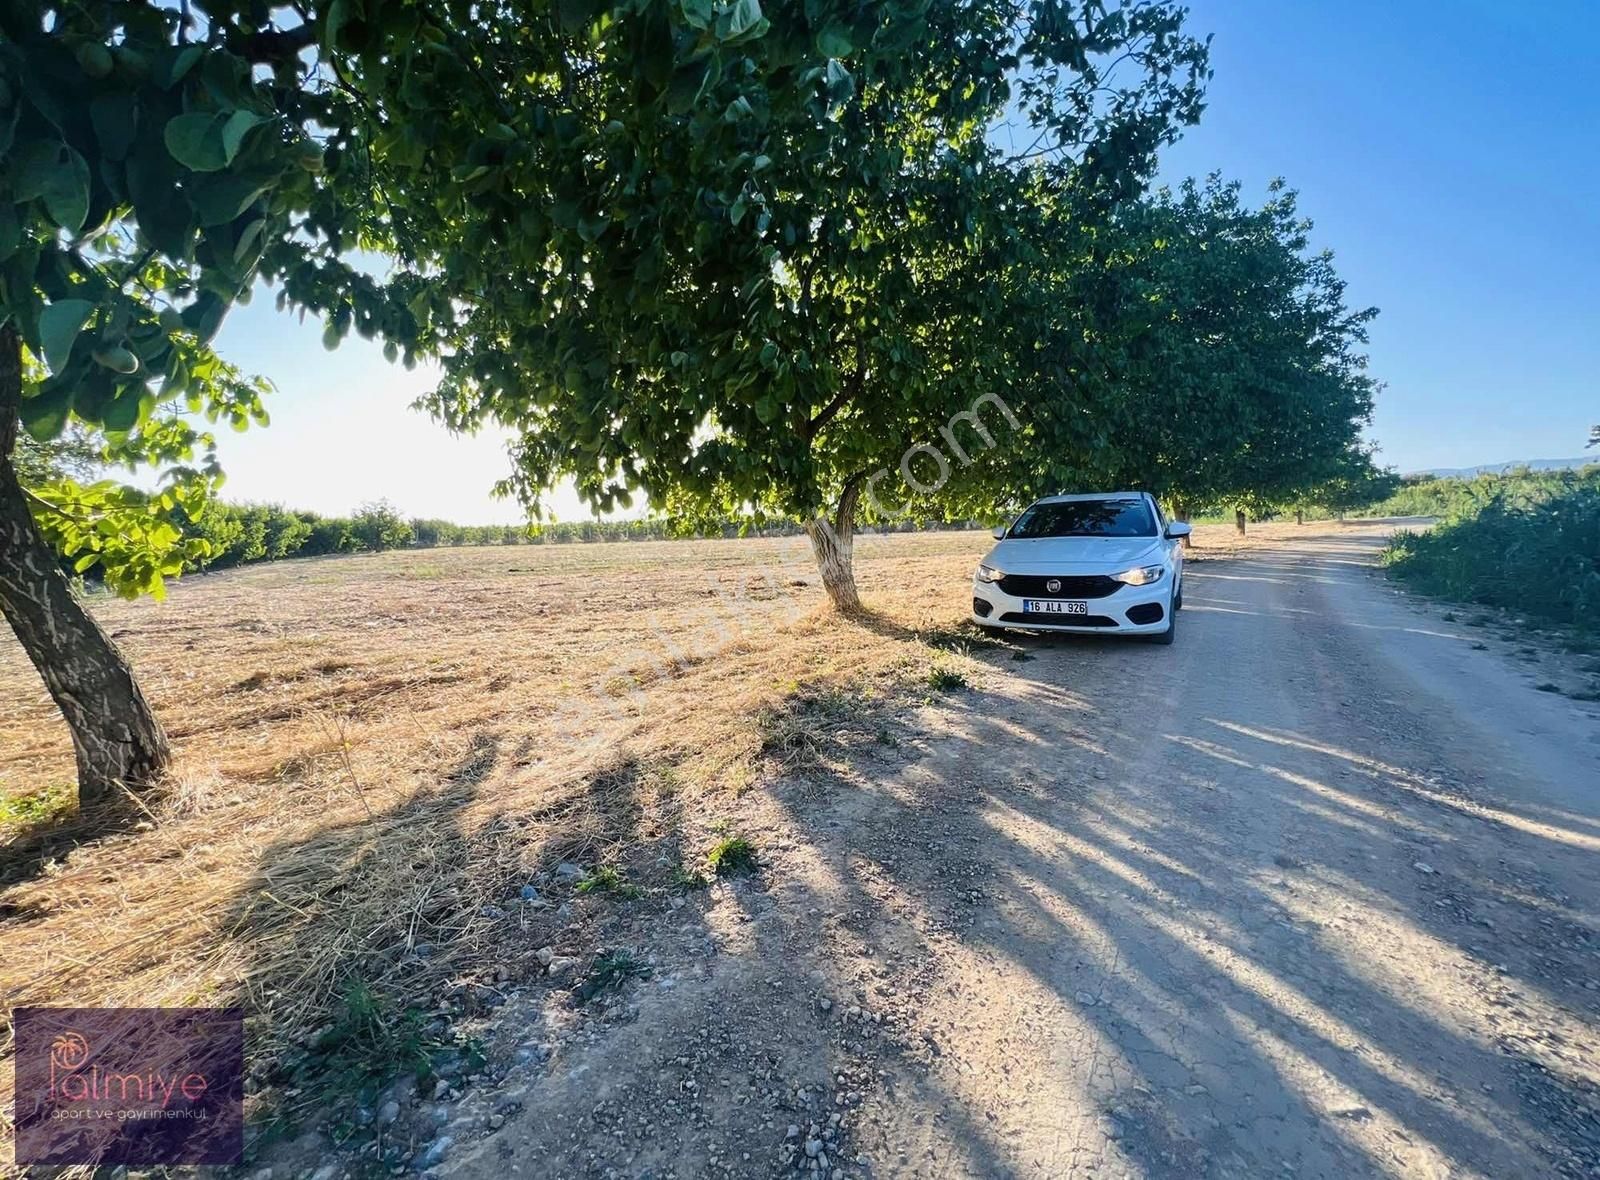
{"type": "Point", "coordinates": [1174, 546]}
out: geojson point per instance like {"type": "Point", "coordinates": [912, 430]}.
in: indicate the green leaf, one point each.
{"type": "Point", "coordinates": [182, 63]}
{"type": "Point", "coordinates": [56, 174]}
{"type": "Point", "coordinates": [698, 13]}
{"type": "Point", "coordinates": [744, 21]}
{"type": "Point", "coordinates": [45, 413]}
{"type": "Point", "coordinates": [575, 15]}
{"type": "Point", "coordinates": [8, 128]}
{"type": "Point", "coordinates": [204, 316]}
{"type": "Point", "coordinates": [239, 125]}
{"type": "Point", "coordinates": [195, 141]}
{"type": "Point", "coordinates": [219, 199]}
{"type": "Point", "coordinates": [340, 13]}
{"type": "Point", "coordinates": [841, 86]}
{"type": "Point", "coordinates": [126, 409]}
{"type": "Point", "coordinates": [10, 230]}
{"type": "Point", "coordinates": [59, 325]}
{"type": "Point", "coordinates": [113, 119]}
{"type": "Point", "coordinates": [834, 41]}
{"type": "Point", "coordinates": [152, 183]}
{"type": "Point", "coordinates": [249, 239]}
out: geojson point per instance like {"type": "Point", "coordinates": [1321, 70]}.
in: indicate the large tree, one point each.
{"type": "Point", "coordinates": [153, 166]}
{"type": "Point", "coordinates": [1222, 366]}
{"type": "Point", "coordinates": [740, 258]}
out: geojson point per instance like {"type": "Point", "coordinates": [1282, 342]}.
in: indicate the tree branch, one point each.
{"type": "Point", "coordinates": [274, 44]}
{"type": "Point", "coordinates": [846, 394]}
{"type": "Point", "coordinates": [10, 390]}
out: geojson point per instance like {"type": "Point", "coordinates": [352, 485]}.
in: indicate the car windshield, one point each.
{"type": "Point", "coordinates": [1085, 518]}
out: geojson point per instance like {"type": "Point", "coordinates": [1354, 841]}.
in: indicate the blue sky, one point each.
{"type": "Point", "coordinates": [1449, 154]}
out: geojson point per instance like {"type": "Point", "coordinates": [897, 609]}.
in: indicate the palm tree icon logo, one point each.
{"type": "Point", "coordinates": [69, 1050]}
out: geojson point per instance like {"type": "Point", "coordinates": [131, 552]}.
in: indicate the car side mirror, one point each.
{"type": "Point", "coordinates": [1178, 528]}
{"type": "Point", "coordinates": [998, 533]}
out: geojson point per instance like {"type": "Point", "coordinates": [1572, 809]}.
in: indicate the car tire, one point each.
{"type": "Point", "coordinates": [1165, 638]}
{"type": "Point", "coordinates": [1177, 601]}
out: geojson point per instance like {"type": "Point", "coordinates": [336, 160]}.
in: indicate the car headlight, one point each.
{"type": "Point", "coordinates": [1142, 576]}
{"type": "Point", "coordinates": [987, 573]}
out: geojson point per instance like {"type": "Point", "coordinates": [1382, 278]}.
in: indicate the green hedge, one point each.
{"type": "Point", "coordinates": [1450, 498]}
{"type": "Point", "coordinates": [1535, 550]}
{"type": "Point", "coordinates": [242, 534]}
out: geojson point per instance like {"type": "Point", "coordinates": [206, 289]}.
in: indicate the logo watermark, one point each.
{"type": "Point", "coordinates": [924, 480]}
{"type": "Point", "coordinates": [129, 1085]}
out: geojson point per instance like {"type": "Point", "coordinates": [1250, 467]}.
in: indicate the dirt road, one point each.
{"type": "Point", "coordinates": [1312, 893]}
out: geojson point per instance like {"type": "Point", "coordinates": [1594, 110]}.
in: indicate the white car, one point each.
{"type": "Point", "coordinates": [1106, 562]}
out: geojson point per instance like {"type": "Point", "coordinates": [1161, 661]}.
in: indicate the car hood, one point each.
{"type": "Point", "coordinates": [1052, 555]}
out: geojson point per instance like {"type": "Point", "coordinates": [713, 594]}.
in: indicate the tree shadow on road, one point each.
{"type": "Point", "coordinates": [1220, 940]}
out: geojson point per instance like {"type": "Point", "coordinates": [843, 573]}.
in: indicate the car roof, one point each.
{"type": "Point", "coordinates": [1062, 499]}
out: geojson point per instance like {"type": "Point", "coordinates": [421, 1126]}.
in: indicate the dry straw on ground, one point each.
{"type": "Point", "coordinates": [370, 749]}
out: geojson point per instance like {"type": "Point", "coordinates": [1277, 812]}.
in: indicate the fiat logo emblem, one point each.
{"type": "Point", "coordinates": [1053, 585]}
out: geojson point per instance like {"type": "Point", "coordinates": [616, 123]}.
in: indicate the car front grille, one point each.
{"type": "Point", "coordinates": [1037, 586]}
{"type": "Point", "coordinates": [1034, 619]}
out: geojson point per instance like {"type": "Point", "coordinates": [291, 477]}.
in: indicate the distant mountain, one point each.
{"type": "Point", "coordinates": [1502, 468]}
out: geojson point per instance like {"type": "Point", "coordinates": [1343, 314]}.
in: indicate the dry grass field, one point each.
{"type": "Point", "coordinates": [370, 750]}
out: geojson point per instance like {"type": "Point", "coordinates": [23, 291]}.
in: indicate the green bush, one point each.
{"type": "Point", "coordinates": [431, 533]}
{"type": "Point", "coordinates": [328, 534]}
{"type": "Point", "coordinates": [378, 526]}
{"type": "Point", "coordinates": [1451, 498]}
{"type": "Point", "coordinates": [1535, 547]}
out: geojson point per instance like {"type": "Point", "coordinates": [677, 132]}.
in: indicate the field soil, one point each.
{"type": "Point", "coordinates": [1313, 892]}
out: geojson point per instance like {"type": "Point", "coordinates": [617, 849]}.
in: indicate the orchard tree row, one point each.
{"type": "Point", "coordinates": [728, 258]}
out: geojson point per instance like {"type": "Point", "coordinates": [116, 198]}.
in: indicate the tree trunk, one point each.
{"type": "Point", "coordinates": [1238, 520]}
{"type": "Point", "coordinates": [1180, 511]}
{"type": "Point", "coordinates": [117, 738]}
{"type": "Point", "coordinates": [831, 543]}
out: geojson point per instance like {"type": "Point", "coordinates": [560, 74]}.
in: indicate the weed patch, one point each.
{"type": "Point", "coordinates": [963, 640]}
{"type": "Point", "coordinates": [21, 814]}
{"type": "Point", "coordinates": [686, 880]}
{"type": "Point", "coordinates": [608, 880]}
{"type": "Point", "coordinates": [369, 1044]}
{"type": "Point", "coordinates": [609, 972]}
{"type": "Point", "coordinates": [813, 726]}
{"type": "Point", "coordinates": [733, 856]}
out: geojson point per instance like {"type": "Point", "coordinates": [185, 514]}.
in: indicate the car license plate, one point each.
{"type": "Point", "coordinates": [1054, 606]}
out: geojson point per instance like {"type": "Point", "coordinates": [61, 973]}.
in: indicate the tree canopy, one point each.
{"type": "Point", "coordinates": [155, 162]}
{"type": "Point", "coordinates": [1213, 360]}
{"type": "Point", "coordinates": [740, 257]}
{"type": "Point", "coordinates": [153, 170]}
